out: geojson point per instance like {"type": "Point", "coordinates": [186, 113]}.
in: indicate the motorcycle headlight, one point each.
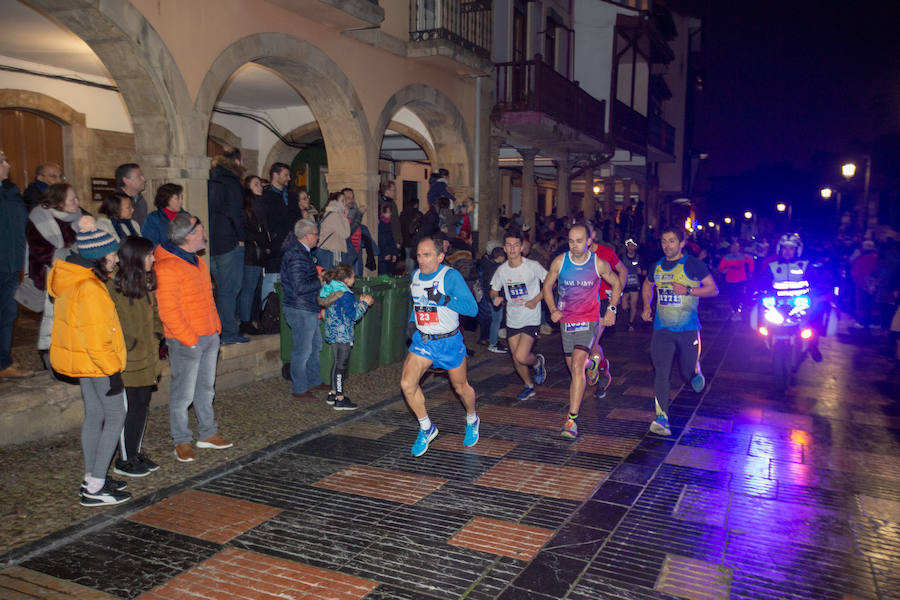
{"type": "Point", "coordinates": [774, 317]}
{"type": "Point", "coordinates": [769, 301]}
{"type": "Point", "coordinates": [800, 302]}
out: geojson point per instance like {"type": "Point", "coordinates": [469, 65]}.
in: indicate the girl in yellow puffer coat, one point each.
{"type": "Point", "coordinates": [87, 343]}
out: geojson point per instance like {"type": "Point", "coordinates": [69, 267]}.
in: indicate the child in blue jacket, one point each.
{"type": "Point", "coordinates": [342, 310]}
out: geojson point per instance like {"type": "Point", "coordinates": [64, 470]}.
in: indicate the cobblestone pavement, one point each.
{"type": "Point", "coordinates": [753, 496]}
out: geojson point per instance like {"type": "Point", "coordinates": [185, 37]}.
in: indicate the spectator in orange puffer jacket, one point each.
{"type": "Point", "coordinates": [87, 343]}
{"type": "Point", "coordinates": [192, 327]}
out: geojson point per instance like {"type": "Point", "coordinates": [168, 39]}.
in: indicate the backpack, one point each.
{"type": "Point", "coordinates": [270, 317]}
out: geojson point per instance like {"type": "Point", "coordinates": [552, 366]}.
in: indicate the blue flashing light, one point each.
{"type": "Point", "coordinates": [801, 302]}
{"type": "Point", "coordinates": [769, 301]}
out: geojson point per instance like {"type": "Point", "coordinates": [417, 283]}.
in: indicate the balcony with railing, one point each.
{"type": "Point", "coordinates": [535, 87]}
{"type": "Point", "coordinates": [661, 135]}
{"type": "Point", "coordinates": [459, 30]}
{"type": "Point", "coordinates": [628, 127]}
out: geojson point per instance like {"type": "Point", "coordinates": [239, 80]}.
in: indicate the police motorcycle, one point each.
{"type": "Point", "coordinates": [782, 313]}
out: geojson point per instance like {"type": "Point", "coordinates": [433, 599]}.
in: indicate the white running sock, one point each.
{"type": "Point", "coordinates": [93, 484]}
{"type": "Point", "coordinates": [659, 410]}
{"type": "Point", "coordinates": [425, 423]}
{"type": "Point", "coordinates": [470, 419]}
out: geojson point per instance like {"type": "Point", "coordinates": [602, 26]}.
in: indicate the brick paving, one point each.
{"type": "Point", "coordinates": [753, 496]}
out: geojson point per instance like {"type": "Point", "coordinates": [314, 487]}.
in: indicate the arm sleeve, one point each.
{"type": "Point", "coordinates": [750, 265]}
{"type": "Point", "coordinates": [361, 308]}
{"type": "Point", "coordinates": [695, 268]}
{"type": "Point", "coordinates": [538, 270]}
{"type": "Point", "coordinates": [496, 281]}
{"type": "Point", "coordinates": [462, 300]}
{"type": "Point", "coordinates": [169, 300]}
{"type": "Point", "coordinates": [94, 327]}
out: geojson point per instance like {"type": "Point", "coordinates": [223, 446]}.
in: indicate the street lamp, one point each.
{"type": "Point", "coordinates": [848, 170]}
{"type": "Point", "coordinates": [727, 220]}
{"type": "Point", "coordinates": [748, 215]}
{"type": "Point", "coordinates": [781, 207]}
{"type": "Point", "coordinates": [711, 225]}
{"type": "Point", "coordinates": [596, 190]}
{"type": "Point", "coordinates": [826, 193]}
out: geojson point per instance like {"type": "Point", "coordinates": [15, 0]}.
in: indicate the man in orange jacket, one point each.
{"type": "Point", "coordinates": [192, 327]}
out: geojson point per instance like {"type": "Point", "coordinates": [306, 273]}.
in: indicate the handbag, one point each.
{"type": "Point", "coordinates": [29, 296]}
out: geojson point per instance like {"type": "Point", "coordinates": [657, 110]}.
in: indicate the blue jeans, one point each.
{"type": "Point", "coordinates": [228, 271]}
{"type": "Point", "coordinates": [307, 343]}
{"type": "Point", "coordinates": [247, 294]}
{"type": "Point", "coordinates": [193, 381]}
{"type": "Point", "coordinates": [9, 310]}
{"type": "Point", "coordinates": [489, 318]}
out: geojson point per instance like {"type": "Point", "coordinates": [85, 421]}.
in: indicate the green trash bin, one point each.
{"type": "Point", "coordinates": [367, 331]}
{"type": "Point", "coordinates": [394, 317]}
{"type": "Point", "coordinates": [287, 341]}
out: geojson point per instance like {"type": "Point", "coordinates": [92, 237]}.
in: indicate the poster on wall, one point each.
{"type": "Point", "coordinates": [101, 187]}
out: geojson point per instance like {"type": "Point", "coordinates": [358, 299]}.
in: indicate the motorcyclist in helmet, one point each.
{"type": "Point", "coordinates": [790, 275]}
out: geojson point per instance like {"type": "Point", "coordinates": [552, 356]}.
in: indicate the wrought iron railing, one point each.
{"type": "Point", "coordinates": [466, 24]}
{"type": "Point", "coordinates": [534, 85]}
{"type": "Point", "coordinates": [628, 127]}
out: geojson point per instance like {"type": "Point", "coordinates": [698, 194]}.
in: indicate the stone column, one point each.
{"type": "Point", "coordinates": [562, 183]}
{"type": "Point", "coordinates": [190, 172]}
{"type": "Point", "coordinates": [529, 191]}
{"type": "Point", "coordinates": [589, 200]}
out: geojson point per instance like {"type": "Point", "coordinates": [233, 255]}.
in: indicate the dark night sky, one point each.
{"type": "Point", "coordinates": [787, 79]}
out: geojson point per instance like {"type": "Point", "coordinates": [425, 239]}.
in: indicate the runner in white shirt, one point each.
{"type": "Point", "coordinates": [520, 279]}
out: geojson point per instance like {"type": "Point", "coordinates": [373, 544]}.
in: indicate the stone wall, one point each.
{"type": "Point", "coordinates": [39, 407]}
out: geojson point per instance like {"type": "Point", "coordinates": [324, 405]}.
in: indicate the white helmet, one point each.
{"type": "Point", "coordinates": [790, 239]}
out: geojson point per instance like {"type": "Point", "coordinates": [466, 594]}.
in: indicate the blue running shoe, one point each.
{"type": "Point", "coordinates": [540, 371]}
{"type": "Point", "coordinates": [471, 433]}
{"type": "Point", "coordinates": [660, 425]}
{"type": "Point", "coordinates": [526, 393]}
{"type": "Point", "coordinates": [423, 439]}
{"type": "Point", "coordinates": [698, 382]}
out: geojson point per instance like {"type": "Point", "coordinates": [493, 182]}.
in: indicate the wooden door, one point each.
{"type": "Point", "coordinates": [29, 139]}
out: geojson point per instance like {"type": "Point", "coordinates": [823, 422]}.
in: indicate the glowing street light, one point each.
{"type": "Point", "coordinates": [748, 215]}
{"type": "Point", "coordinates": [699, 227]}
{"type": "Point", "coordinates": [826, 193]}
{"type": "Point", "coordinates": [781, 207]}
{"type": "Point", "coordinates": [727, 220]}
{"type": "Point", "coordinates": [596, 189]}
{"type": "Point", "coordinates": [711, 225]}
{"type": "Point", "coordinates": [848, 170]}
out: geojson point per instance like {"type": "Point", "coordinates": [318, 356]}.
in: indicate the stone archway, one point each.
{"type": "Point", "coordinates": [74, 131]}
{"type": "Point", "coordinates": [283, 153]}
{"type": "Point", "coordinates": [452, 149]}
{"type": "Point", "coordinates": [143, 70]}
{"type": "Point", "coordinates": [325, 88]}
{"type": "Point", "coordinates": [406, 130]}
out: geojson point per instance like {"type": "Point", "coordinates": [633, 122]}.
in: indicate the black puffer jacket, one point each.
{"type": "Point", "coordinates": [227, 222]}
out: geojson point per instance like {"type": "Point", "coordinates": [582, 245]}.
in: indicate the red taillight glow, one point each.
{"type": "Point", "coordinates": [806, 334]}
{"type": "Point", "coordinates": [763, 331]}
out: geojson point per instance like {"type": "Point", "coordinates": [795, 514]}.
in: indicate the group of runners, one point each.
{"type": "Point", "coordinates": [588, 280]}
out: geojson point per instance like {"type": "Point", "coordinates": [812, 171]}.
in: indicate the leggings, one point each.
{"type": "Point", "coordinates": [137, 402]}
{"type": "Point", "coordinates": [103, 419]}
{"type": "Point", "coordinates": [735, 294]}
{"type": "Point", "coordinates": [339, 369]}
{"type": "Point", "coordinates": [663, 346]}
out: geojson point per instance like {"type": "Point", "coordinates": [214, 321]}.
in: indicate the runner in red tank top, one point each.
{"type": "Point", "coordinates": [598, 366]}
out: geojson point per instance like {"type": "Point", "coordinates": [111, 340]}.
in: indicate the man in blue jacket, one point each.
{"type": "Point", "coordinates": [301, 309]}
{"type": "Point", "coordinates": [13, 218]}
{"type": "Point", "coordinates": [227, 233]}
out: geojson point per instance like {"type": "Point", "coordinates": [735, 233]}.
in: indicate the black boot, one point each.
{"type": "Point", "coordinates": [248, 328]}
